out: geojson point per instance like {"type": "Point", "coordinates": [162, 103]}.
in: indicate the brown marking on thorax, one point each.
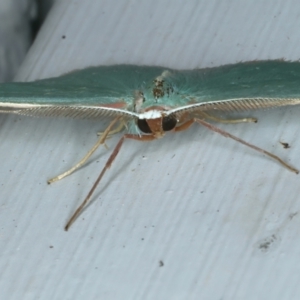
{"type": "Point", "coordinates": [158, 90]}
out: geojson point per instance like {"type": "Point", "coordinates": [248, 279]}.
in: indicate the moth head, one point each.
{"type": "Point", "coordinates": [156, 122]}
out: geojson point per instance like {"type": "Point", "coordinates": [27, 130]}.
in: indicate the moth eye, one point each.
{"type": "Point", "coordinates": [143, 126]}
{"type": "Point", "coordinates": [169, 123]}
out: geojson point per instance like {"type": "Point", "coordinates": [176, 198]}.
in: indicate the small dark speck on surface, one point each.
{"type": "Point", "coordinates": [266, 243]}
{"type": "Point", "coordinates": [63, 37]}
{"type": "Point", "coordinates": [292, 215]}
{"type": "Point", "coordinates": [161, 263]}
{"type": "Point", "coordinates": [285, 145]}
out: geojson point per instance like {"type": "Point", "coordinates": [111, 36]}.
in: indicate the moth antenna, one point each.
{"type": "Point", "coordinates": [226, 121]}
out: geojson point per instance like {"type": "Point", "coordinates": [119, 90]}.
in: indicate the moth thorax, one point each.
{"type": "Point", "coordinates": [157, 126]}
{"type": "Point", "coordinates": [158, 90]}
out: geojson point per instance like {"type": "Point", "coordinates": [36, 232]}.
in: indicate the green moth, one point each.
{"type": "Point", "coordinates": [147, 102]}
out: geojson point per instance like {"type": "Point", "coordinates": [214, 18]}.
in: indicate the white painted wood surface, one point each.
{"type": "Point", "coordinates": [191, 216]}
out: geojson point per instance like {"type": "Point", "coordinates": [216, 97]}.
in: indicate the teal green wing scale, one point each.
{"type": "Point", "coordinates": [127, 90]}
{"type": "Point", "coordinates": [88, 93]}
{"type": "Point", "coordinates": [239, 87]}
{"type": "Point", "coordinates": [92, 86]}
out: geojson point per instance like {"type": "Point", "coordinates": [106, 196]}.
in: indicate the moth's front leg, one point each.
{"type": "Point", "coordinates": [100, 141]}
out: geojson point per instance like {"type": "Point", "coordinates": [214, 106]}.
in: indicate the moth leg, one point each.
{"type": "Point", "coordinates": [100, 141]}
{"type": "Point", "coordinates": [226, 134]}
{"type": "Point", "coordinates": [220, 120]}
{"type": "Point", "coordinates": [105, 168]}
{"type": "Point", "coordinates": [118, 129]}
{"type": "Point", "coordinates": [184, 126]}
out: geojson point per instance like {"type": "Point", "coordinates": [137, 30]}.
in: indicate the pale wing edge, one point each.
{"type": "Point", "coordinates": [231, 105]}
{"type": "Point", "coordinates": [70, 111]}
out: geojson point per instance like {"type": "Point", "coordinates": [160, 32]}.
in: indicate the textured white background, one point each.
{"type": "Point", "coordinates": [222, 219]}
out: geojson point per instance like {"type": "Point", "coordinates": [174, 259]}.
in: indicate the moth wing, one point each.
{"type": "Point", "coordinates": [88, 93]}
{"type": "Point", "coordinates": [239, 87]}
